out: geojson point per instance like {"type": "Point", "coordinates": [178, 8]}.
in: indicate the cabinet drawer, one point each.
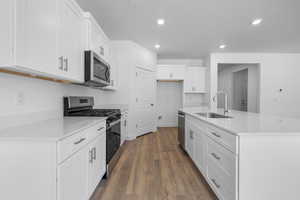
{"type": "Point", "coordinates": [223, 184]}
{"type": "Point", "coordinates": [222, 157]}
{"type": "Point", "coordinates": [226, 139]}
{"type": "Point", "coordinates": [96, 130]}
{"type": "Point", "coordinates": [71, 144]}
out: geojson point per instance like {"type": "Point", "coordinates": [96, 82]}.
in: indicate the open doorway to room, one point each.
{"type": "Point", "coordinates": [241, 83]}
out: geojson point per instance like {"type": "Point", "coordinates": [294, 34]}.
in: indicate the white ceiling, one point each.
{"type": "Point", "coordinates": [195, 28]}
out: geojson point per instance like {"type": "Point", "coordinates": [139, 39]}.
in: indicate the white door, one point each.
{"type": "Point", "coordinates": [145, 90]}
{"type": "Point", "coordinates": [72, 177]}
{"type": "Point", "coordinates": [97, 162]}
{"type": "Point", "coordinates": [72, 40]}
{"type": "Point", "coordinates": [36, 35]}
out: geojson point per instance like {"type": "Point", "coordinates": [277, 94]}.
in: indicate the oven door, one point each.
{"type": "Point", "coordinates": [113, 139]}
{"type": "Point", "coordinates": [97, 71]}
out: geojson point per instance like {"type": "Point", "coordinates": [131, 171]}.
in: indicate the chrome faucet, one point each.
{"type": "Point", "coordinates": [225, 101]}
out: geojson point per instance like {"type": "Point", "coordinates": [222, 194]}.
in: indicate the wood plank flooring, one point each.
{"type": "Point", "coordinates": [153, 167]}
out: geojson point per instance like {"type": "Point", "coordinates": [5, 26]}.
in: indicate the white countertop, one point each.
{"type": "Point", "coordinates": [245, 123]}
{"type": "Point", "coordinates": [52, 129]}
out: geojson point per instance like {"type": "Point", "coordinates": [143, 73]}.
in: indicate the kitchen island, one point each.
{"type": "Point", "coordinates": [248, 156]}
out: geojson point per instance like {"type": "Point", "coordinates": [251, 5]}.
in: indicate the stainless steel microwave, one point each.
{"type": "Point", "coordinates": [97, 71]}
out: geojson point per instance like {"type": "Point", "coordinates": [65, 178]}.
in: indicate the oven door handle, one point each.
{"type": "Point", "coordinates": [114, 123]}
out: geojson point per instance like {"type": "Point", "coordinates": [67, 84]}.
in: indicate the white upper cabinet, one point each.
{"type": "Point", "coordinates": [42, 37]}
{"type": "Point", "coordinates": [28, 37]}
{"type": "Point", "coordinates": [170, 72]}
{"type": "Point", "coordinates": [194, 81]}
{"type": "Point", "coordinates": [96, 39]}
{"type": "Point", "coordinates": [6, 33]}
{"type": "Point", "coordinates": [71, 40]}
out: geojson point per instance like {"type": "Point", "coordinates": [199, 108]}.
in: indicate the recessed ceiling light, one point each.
{"type": "Point", "coordinates": [222, 46]}
{"type": "Point", "coordinates": [256, 22]}
{"type": "Point", "coordinates": [157, 46]}
{"type": "Point", "coordinates": [160, 22]}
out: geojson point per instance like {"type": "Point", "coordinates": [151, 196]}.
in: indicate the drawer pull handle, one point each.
{"type": "Point", "coordinates": [99, 129]}
{"type": "Point", "coordinates": [215, 134]}
{"type": "Point", "coordinates": [215, 183]}
{"type": "Point", "coordinates": [79, 141]}
{"type": "Point", "coordinates": [216, 156]}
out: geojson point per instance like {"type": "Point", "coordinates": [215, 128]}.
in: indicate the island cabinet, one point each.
{"type": "Point", "coordinates": [42, 37]}
{"type": "Point", "coordinates": [53, 169]}
{"type": "Point", "coordinates": [247, 157]}
{"type": "Point", "coordinates": [214, 153]}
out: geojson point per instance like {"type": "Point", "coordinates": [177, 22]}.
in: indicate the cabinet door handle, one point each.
{"type": "Point", "coordinates": [191, 134]}
{"type": "Point", "coordinates": [61, 63]}
{"type": "Point", "coordinates": [79, 141]}
{"type": "Point", "coordinates": [171, 75]}
{"type": "Point", "coordinates": [215, 134]}
{"type": "Point", "coordinates": [94, 154]}
{"type": "Point", "coordinates": [91, 156]}
{"type": "Point", "coordinates": [215, 183]}
{"type": "Point", "coordinates": [216, 156]}
{"type": "Point", "coordinates": [125, 122]}
{"type": "Point", "coordinates": [101, 50]}
{"type": "Point", "coordinates": [66, 60]}
{"type": "Point", "coordinates": [99, 129]}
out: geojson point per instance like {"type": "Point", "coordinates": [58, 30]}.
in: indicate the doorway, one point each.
{"type": "Point", "coordinates": [241, 82]}
{"type": "Point", "coordinates": [240, 90]}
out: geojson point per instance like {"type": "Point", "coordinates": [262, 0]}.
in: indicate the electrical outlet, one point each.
{"type": "Point", "coordinates": [20, 99]}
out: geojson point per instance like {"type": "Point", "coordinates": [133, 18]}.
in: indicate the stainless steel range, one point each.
{"type": "Point", "coordinates": [83, 107]}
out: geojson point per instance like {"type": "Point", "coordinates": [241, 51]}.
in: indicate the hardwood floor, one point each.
{"type": "Point", "coordinates": [153, 167]}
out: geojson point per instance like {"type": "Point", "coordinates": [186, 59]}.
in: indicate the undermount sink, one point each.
{"type": "Point", "coordinates": [213, 115]}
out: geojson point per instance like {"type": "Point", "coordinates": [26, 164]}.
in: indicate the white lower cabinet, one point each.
{"type": "Point", "coordinates": [72, 177]}
{"type": "Point", "coordinates": [124, 126]}
{"type": "Point", "coordinates": [55, 169]}
{"type": "Point", "coordinates": [216, 162]}
{"type": "Point", "coordinates": [97, 163]}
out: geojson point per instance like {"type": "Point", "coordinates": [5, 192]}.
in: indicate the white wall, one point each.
{"type": "Point", "coordinates": [277, 71]}
{"type": "Point", "coordinates": [41, 99]}
{"type": "Point", "coordinates": [189, 62]}
{"type": "Point", "coordinates": [225, 83]}
{"type": "Point", "coordinates": [169, 100]}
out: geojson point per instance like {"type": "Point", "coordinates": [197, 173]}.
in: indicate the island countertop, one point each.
{"type": "Point", "coordinates": [50, 130]}
{"type": "Point", "coordinates": [246, 123]}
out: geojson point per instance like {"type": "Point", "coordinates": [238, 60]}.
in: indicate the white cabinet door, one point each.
{"type": "Point", "coordinates": [97, 162]}
{"type": "Point", "coordinates": [194, 81]}
{"type": "Point", "coordinates": [97, 41]}
{"type": "Point", "coordinates": [199, 151]}
{"type": "Point", "coordinates": [36, 35]}
{"type": "Point", "coordinates": [124, 127]}
{"type": "Point", "coordinates": [72, 177]}
{"type": "Point", "coordinates": [6, 33]}
{"type": "Point", "coordinates": [72, 40]}
{"type": "Point", "coordinates": [189, 139]}
{"type": "Point", "coordinates": [169, 72]}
